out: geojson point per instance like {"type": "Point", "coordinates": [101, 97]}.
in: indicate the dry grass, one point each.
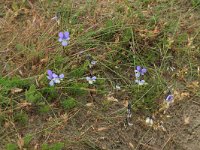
{"type": "Point", "coordinates": [119, 35]}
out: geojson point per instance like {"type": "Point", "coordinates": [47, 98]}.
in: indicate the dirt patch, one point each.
{"type": "Point", "coordinates": [182, 132]}
{"type": "Point", "coordinates": [89, 130]}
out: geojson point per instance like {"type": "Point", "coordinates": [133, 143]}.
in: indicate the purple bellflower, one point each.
{"type": "Point", "coordinates": [54, 78]}
{"type": "Point", "coordinates": [91, 79]}
{"type": "Point", "coordinates": [64, 38]}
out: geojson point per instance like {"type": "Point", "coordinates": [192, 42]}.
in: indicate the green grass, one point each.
{"type": "Point", "coordinates": [154, 34]}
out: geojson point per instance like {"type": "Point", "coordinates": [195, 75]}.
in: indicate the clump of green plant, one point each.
{"type": "Point", "coordinates": [101, 87]}
{"type": "Point", "coordinates": [26, 142]}
{"type": "Point", "coordinates": [27, 139]}
{"type": "Point", "coordinates": [196, 3]}
{"type": "Point", "coordinates": [32, 95]}
{"type": "Point", "coordinates": [77, 89]}
{"type": "Point", "coordinates": [21, 117]}
{"type": "Point", "coordinates": [49, 93]}
{"type": "Point", "coordinates": [145, 97]}
{"type": "Point", "coordinates": [69, 103]}
{"type": "Point", "coordinates": [55, 146]}
{"type": "Point", "coordinates": [109, 30]}
{"type": "Point", "coordinates": [79, 72]}
{"type": "Point", "coordinates": [106, 105]}
{"type": "Point", "coordinates": [43, 108]}
{"type": "Point", "coordinates": [6, 84]}
{"type": "Point", "coordinates": [11, 146]}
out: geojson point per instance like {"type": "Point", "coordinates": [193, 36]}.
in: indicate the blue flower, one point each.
{"type": "Point", "coordinates": [169, 98]}
{"type": "Point", "coordinates": [54, 78]}
{"type": "Point", "coordinates": [91, 79]}
{"type": "Point", "coordinates": [64, 38]}
{"type": "Point", "coordinates": [140, 71]}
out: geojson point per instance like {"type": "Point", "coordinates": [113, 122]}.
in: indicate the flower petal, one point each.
{"type": "Point", "coordinates": [138, 68]}
{"type": "Point", "coordinates": [64, 43]}
{"type": "Point", "coordinates": [137, 74]}
{"type": "Point", "coordinates": [94, 78]}
{"type": "Point", "coordinates": [142, 82]}
{"type": "Point", "coordinates": [118, 87]}
{"type": "Point", "coordinates": [48, 77]}
{"type": "Point", "coordinates": [93, 62]}
{"type": "Point", "coordinates": [60, 39]}
{"type": "Point", "coordinates": [61, 76]}
{"type": "Point", "coordinates": [143, 71]}
{"type": "Point", "coordinates": [66, 35]}
{"type": "Point", "coordinates": [51, 83]}
{"type": "Point", "coordinates": [137, 81]}
{"type": "Point", "coordinates": [54, 75]}
{"type": "Point", "coordinates": [61, 35]}
{"type": "Point", "coordinates": [170, 98]}
{"type": "Point", "coordinates": [88, 78]}
{"type": "Point", "coordinates": [90, 82]}
{"type": "Point", "coordinates": [136, 71]}
{"type": "Point", "coordinates": [56, 80]}
{"type": "Point", "coordinates": [49, 72]}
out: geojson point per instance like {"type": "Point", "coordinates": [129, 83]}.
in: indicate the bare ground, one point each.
{"type": "Point", "coordinates": [85, 129]}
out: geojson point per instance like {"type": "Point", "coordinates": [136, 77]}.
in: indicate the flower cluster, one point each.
{"type": "Point", "coordinates": [64, 38]}
{"type": "Point", "coordinates": [139, 72]}
{"type": "Point", "coordinates": [54, 78]}
{"type": "Point", "coordinates": [91, 79]}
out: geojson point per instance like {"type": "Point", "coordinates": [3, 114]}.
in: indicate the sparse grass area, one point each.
{"type": "Point", "coordinates": [162, 36]}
